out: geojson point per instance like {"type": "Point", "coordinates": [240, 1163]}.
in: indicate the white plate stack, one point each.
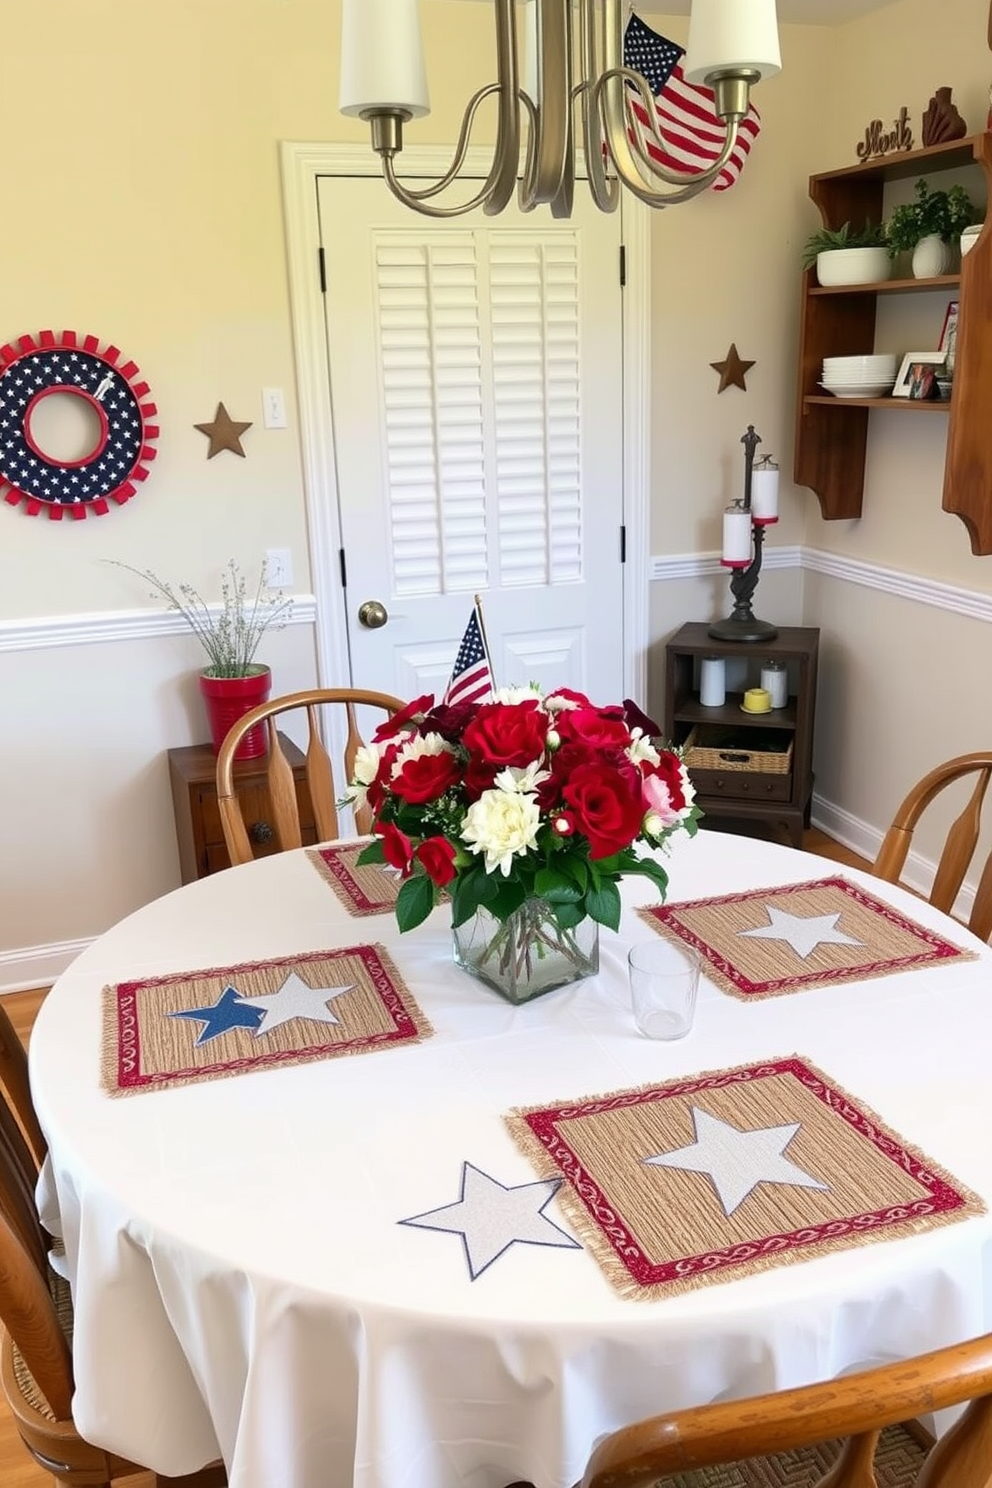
{"type": "Point", "coordinates": [859, 376]}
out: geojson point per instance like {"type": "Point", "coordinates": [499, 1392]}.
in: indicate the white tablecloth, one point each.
{"type": "Point", "coordinates": [241, 1280]}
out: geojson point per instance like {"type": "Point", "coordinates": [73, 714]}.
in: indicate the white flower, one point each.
{"type": "Point", "coordinates": [526, 781]}
{"type": "Point", "coordinates": [365, 769]}
{"type": "Point", "coordinates": [418, 745]}
{"type": "Point", "coordinates": [503, 825]}
{"type": "Point", "coordinates": [514, 695]}
{"type": "Point", "coordinates": [640, 748]}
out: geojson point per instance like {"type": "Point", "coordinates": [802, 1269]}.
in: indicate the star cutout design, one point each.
{"type": "Point", "coordinates": [802, 932]}
{"type": "Point", "coordinates": [732, 370]}
{"type": "Point", "coordinates": [229, 1011]}
{"type": "Point", "coordinates": [224, 433]}
{"type": "Point", "coordinates": [737, 1161]}
{"type": "Point", "coordinates": [491, 1217]}
{"type": "Point", "coordinates": [295, 999]}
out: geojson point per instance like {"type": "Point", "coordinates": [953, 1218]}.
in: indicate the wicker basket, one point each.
{"type": "Point", "coordinates": [710, 747]}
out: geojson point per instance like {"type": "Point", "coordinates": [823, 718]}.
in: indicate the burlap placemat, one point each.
{"type": "Point", "coordinates": [731, 1171]}
{"type": "Point", "coordinates": [765, 942]}
{"type": "Point", "coordinates": [199, 1025]}
{"type": "Point", "coordinates": [366, 889]}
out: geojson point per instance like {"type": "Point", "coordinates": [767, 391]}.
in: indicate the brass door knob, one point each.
{"type": "Point", "coordinates": [372, 614]}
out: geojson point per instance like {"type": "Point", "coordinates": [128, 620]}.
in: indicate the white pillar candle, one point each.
{"type": "Point", "coordinates": [712, 682]}
{"type": "Point", "coordinates": [764, 492]}
{"type": "Point", "coordinates": [775, 680]}
{"type": "Point", "coordinates": [736, 537]}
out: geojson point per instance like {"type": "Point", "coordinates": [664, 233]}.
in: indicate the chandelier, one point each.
{"type": "Point", "coordinates": [571, 85]}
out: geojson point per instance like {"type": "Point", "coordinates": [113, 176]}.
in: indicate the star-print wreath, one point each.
{"type": "Point", "coordinates": [34, 369]}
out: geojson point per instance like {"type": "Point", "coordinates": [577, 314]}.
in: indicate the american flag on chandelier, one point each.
{"type": "Point", "coordinates": [471, 677]}
{"type": "Point", "coordinates": [690, 126]}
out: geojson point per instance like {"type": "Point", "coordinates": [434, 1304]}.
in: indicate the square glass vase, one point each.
{"type": "Point", "coordinates": [527, 954]}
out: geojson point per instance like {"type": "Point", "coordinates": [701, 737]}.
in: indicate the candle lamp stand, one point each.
{"type": "Point", "coordinates": [741, 624]}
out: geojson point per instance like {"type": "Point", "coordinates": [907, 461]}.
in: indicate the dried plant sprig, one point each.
{"type": "Point", "coordinates": [231, 633]}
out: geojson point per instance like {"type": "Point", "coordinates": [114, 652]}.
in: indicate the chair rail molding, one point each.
{"type": "Point", "coordinates": [94, 628]}
{"type": "Point", "coordinates": [972, 604]}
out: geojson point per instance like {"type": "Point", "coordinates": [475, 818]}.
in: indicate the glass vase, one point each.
{"type": "Point", "coordinates": [527, 954]}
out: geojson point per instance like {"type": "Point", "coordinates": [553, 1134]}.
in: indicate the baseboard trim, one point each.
{"type": "Point", "coordinates": [38, 966]}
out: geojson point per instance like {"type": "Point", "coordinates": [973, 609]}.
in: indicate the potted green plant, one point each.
{"type": "Point", "coordinates": [844, 255]}
{"type": "Point", "coordinates": [929, 226]}
{"type": "Point", "coordinates": [230, 633]}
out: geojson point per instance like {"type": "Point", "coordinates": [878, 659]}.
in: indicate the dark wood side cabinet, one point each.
{"type": "Point", "coordinates": [192, 772]}
{"type": "Point", "coordinates": [779, 798]}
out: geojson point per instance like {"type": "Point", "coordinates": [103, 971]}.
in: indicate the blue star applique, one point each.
{"type": "Point", "coordinates": [229, 1011]}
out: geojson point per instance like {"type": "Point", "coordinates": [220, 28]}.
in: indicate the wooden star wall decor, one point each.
{"type": "Point", "coordinates": [732, 370]}
{"type": "Point", "coordinates": [224, 433]}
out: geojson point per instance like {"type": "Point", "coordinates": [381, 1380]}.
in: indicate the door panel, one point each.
{"type": "Point", "coordinates": [476, 385]}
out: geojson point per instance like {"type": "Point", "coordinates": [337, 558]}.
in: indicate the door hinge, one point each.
{"type": "Point", "coordinates": [623, 544]}
{"type": "Point", "coordinates": [344, 570]}
{"type": "Point", "coordinates": [623, 266]}
{"type": "Point", "coordinates": [322, 269]}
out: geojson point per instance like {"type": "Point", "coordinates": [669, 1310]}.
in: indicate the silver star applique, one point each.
{"type": "Point", "coordinates": [295, 999]}
{"type": "Point", "coordinates": [802, 932]}
{"type": "Point", "coordinates": [737, 1161]}
{"type": "Point", "coordinates": [491, 1217]}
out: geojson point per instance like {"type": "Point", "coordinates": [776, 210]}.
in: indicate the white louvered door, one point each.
{"type": "Point", "coordinates": [476, 384]}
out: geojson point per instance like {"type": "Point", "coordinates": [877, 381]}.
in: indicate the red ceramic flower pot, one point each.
{"type": "Point", "coordinates": [229, 698]}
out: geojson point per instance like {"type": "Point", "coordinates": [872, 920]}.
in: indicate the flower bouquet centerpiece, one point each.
{"type": "Point", "coordinates": [525, 811]}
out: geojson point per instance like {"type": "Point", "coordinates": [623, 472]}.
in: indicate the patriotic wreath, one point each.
{"type": "Point", "coordinates": [34, 369]}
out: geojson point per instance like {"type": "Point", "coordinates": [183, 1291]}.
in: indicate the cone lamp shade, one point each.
{"type": "Point", "coordinates": [730, 34]}
{"type": "Point", "coordinates": [382, 58]}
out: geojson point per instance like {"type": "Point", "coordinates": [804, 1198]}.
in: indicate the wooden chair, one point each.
{"type": "Point", "coordinates": [279, 775]}
{"type": "Point", "coordinates": [36, 1331]}
{"type": "Point", "coordinates": [855, 1407]}
{"type": "Point", "coordinates": [14, 1080]}
{"type": "Point", "coordinates": [959, 846]}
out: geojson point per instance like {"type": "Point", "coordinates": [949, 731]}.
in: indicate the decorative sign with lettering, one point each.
{"type": "Point", "coordinates": [878, 142]}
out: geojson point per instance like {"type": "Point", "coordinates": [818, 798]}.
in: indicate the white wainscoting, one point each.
{"type": "Point", "coordinates": [94, 628]}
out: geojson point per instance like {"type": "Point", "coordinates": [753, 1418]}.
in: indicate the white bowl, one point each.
{"type": "Point", "coordinates": [870, 363]}
{"type": "Point", "coordinates": [853, 266]}
{"type": "Point", "coordinates": [969, 238]}
{"type": "Point", "coordinates": [859, 389]}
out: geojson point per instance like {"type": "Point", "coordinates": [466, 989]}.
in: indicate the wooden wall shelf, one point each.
{"type": "Point", "coordinates": [832, 433]}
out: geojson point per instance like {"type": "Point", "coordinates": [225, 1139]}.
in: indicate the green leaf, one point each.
{"type": "Point", "coordinates": [569, 915]}
{"type": "Point", "coordinates": [555, 887]}
{"type": "Point", "coordinates": [509, 897]}
{"type": "Point", "coordinates": [372, 853]}
{"type": "Point", "coordinates": [603, 904]}
{"type": "Point", "coordinates": [414, 901]}
{"type": "Point", "coordinates": [468, 891]}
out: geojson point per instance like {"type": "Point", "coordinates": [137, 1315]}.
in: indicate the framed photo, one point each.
{"type": "Point", "coordinates": [934, 360]}
{"type": "Point", "coordinates": [949, 333]}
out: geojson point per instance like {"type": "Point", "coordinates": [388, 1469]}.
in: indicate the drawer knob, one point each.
{"type": "Point", "coordinates": [260, 832]}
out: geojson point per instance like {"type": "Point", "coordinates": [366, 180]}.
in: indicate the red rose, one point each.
{"type": "Point", "coordinates": [596, 728]}
{"type": "Point", "coordinates": [396, 848]}
{"type": "Point", "coordinates": [448, 720]}
{"type": "Point", "coordinates": [572, 697]}
{"type": "Point", "coordinates": [438, 858]}
{"type": "Point", "coordinates": [604, 808]}
{"type": "Point", "coordinates": [504, 734]}
{"type": "Point", "coordinates": [377, 791]}
{"type": "Point", "coordinates": [425, 777]}
{"type": "Point", "coordinates": [397, 721]}
{"type": "Point", "coordinates": [478, 777]}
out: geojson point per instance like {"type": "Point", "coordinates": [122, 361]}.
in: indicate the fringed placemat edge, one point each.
{"type": "Point", "coordinates": [316, 856]}
{"type": "Point", "coordinates": [590, 1233]}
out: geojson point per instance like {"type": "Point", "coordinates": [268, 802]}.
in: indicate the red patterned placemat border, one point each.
{"type": "Point", "coordinates": [671, 920]}
{"type": "Point", "coordinates": [122, 1047]}
{"type": "Point", "coordinates": [541, 1133]}
{"type": "Point", "coordinates": [336, 866]}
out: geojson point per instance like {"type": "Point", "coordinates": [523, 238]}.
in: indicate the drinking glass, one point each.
{"type": "Point", "coordinates": [664, 981]}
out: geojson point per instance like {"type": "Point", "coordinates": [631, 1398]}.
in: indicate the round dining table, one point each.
{"type": "Point", "coordinates": [255, 1271]}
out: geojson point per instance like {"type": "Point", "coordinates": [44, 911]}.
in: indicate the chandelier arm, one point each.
{"type": "Point", "coordinates": [549, 174]}
{"type": "Point", "coordinates": [412, 194]}
{"type": "Point", "coordinates": [605, 189]}
{"type": "Point", "coordinates": [636, 169]}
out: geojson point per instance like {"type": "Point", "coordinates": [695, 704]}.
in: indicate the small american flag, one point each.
{"type": "Point", "coordinates": [471, 676]}
{"type": "Point", "coordinates": [691, 128]}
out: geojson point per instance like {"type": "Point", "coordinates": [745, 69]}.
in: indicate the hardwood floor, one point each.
{"type": "Point", "coordinates": [17, 1470]}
